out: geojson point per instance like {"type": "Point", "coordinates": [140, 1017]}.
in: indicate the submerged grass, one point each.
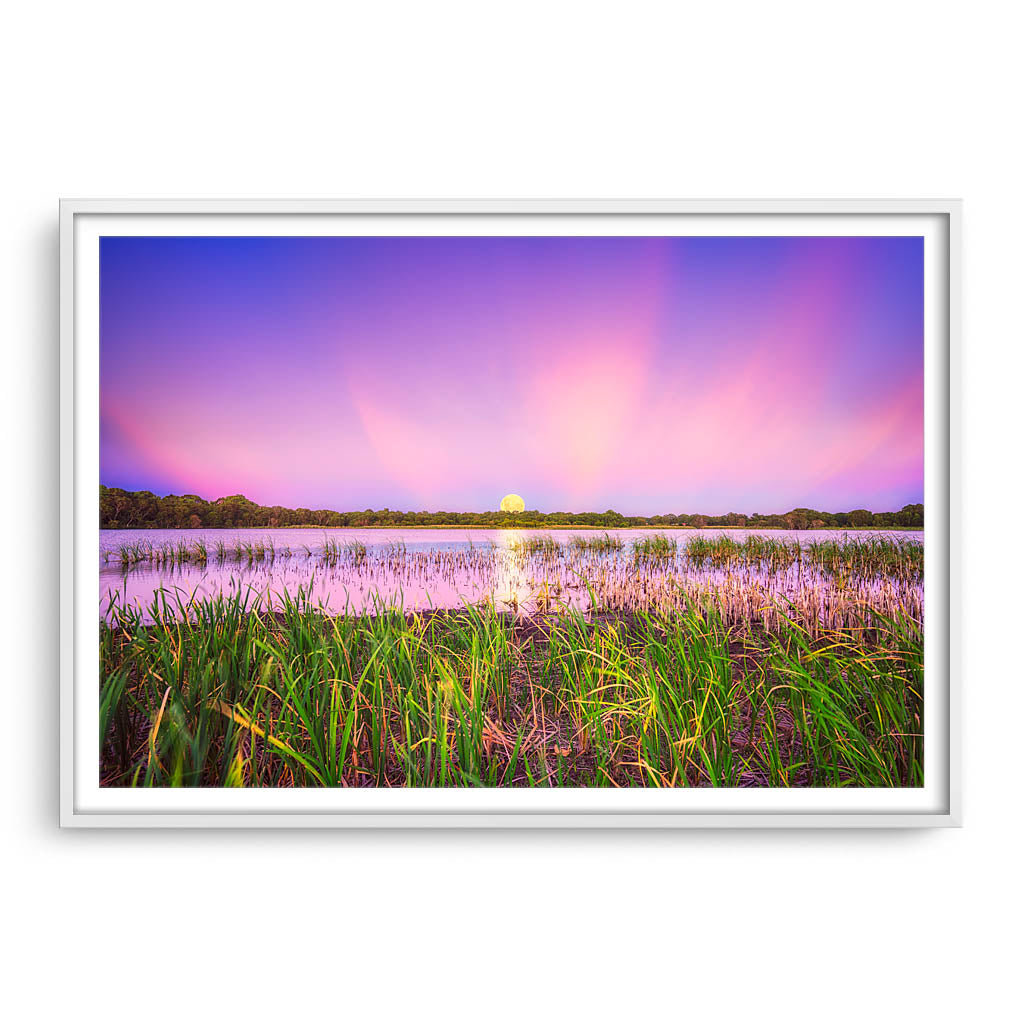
{"type": "Point", "coordinates": [197, 552]}
{"type": "Point", "coordinates": [862, 557]}
{"type": "Point", "coordinates": [658, 548]}
{"type": "Point", "coordinates": [606, 544]}
{"type": "Point", "coordinates": [859, 557]}
{"type": "Point", "coordinates": [227, 691]}
{"type": "Point", "coordinates": [530, 547]}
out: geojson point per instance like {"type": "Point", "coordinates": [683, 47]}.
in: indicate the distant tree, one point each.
{"type": "Point", "coordinates": [911, 515]}
{"type": "Point", "coordinates": [238, 510]}
{"type": "Point", "coordinates": [143, 509]}
{"type": "Point", "coordinates": [114, 506]}
{"type": "Point", "coordinates": [120, 509]}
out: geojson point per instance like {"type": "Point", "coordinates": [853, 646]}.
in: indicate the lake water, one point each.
{"type": "Point", "coordinates": [352, 569]}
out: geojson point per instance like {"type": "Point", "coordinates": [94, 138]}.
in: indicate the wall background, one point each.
{"type": "Point", "coordinates": [533, 100]}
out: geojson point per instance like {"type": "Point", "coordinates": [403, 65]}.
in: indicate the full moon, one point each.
{"type": "Point", "coordinates": [512, 503]}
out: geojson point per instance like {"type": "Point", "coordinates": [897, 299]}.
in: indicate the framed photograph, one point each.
{"type": "Point", "coordinates": [509, 513]}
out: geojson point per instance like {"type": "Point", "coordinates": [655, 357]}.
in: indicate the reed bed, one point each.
{"type": "Point", "coordinates": [606, 544]}
{"type": "Point", "coordinates": [529, 547]}
{"type": "Point", "coordinates": [234, 690]}
{"type": "Point", "coordinates": [742, 600]}
{"type": "Point", "coordinates": [899, 558]}
{"type": "Point", "coordinates": [658, 548]}
{"type": "Point", "coordinates": [846, 559]}
{"type": "Point", "coordinates": [869, 557]}
{"type": "Point", "coordinates": [197, 552]}
{"type": "Point", "coordinates": [755, 582]}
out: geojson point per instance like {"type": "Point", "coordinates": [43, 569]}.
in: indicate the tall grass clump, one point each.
{"type": "Point", "coordinates": [768, 553]}
{"type": "Point", "coordinates": [658, 548]}
{"type": "Point", "coordinates": [355, 551]}
{"type": "Point", "coordinates": [862, 557]}
{"type": "Point", "coordinates": [603, 545]}
{"type": "Point", "coordinates": [544, 546]}
{"type": "Point", "coordinates": [896, 558]}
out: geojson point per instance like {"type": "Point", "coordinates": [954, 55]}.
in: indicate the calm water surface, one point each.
{"type": "Point", "coordinates": [421, 569]}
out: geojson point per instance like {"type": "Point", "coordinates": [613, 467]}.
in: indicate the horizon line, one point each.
{"type": "Point", "coordinates": [525, 512]}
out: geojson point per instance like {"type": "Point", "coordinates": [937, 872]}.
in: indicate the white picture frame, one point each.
{"type": "Point", "coordinates": [84, 804]}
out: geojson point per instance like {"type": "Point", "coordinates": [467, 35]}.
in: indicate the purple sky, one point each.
{"type": "Point", "coordinates": [648, 375]}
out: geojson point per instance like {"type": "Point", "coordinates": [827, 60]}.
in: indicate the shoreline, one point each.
{"type": "Point", "coordinates": [561, 526]}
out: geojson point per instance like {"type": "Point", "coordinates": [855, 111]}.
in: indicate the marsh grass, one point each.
{"type": "Point", "coordinates": [529, 547]}
{"type": "Point", "coordinates": [847, 558]}
{"type": "Point", "coordinates": [229, 691]}
{"type": "Point", "coordinates": [197, 552]}
{"type": "Point", "coordinates": [896, 558]}
{"type": "Point", "coordinates": [355, 551]}
{"type": "Point", "coordinates": [861, 557]}
{"type": "Point", "coordinates": [658, 548]}
{"type": "Point", "coordinates": [603, 545]}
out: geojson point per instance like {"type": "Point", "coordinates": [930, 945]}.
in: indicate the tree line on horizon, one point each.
{"type": "Point", "coordinates": [120, 509]}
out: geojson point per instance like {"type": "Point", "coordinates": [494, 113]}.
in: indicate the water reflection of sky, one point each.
{"type": "Point", "coordinates": [423, 569]}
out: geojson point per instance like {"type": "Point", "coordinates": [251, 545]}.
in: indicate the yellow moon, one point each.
{"type": "Point", "coordinates": [512, 503]}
